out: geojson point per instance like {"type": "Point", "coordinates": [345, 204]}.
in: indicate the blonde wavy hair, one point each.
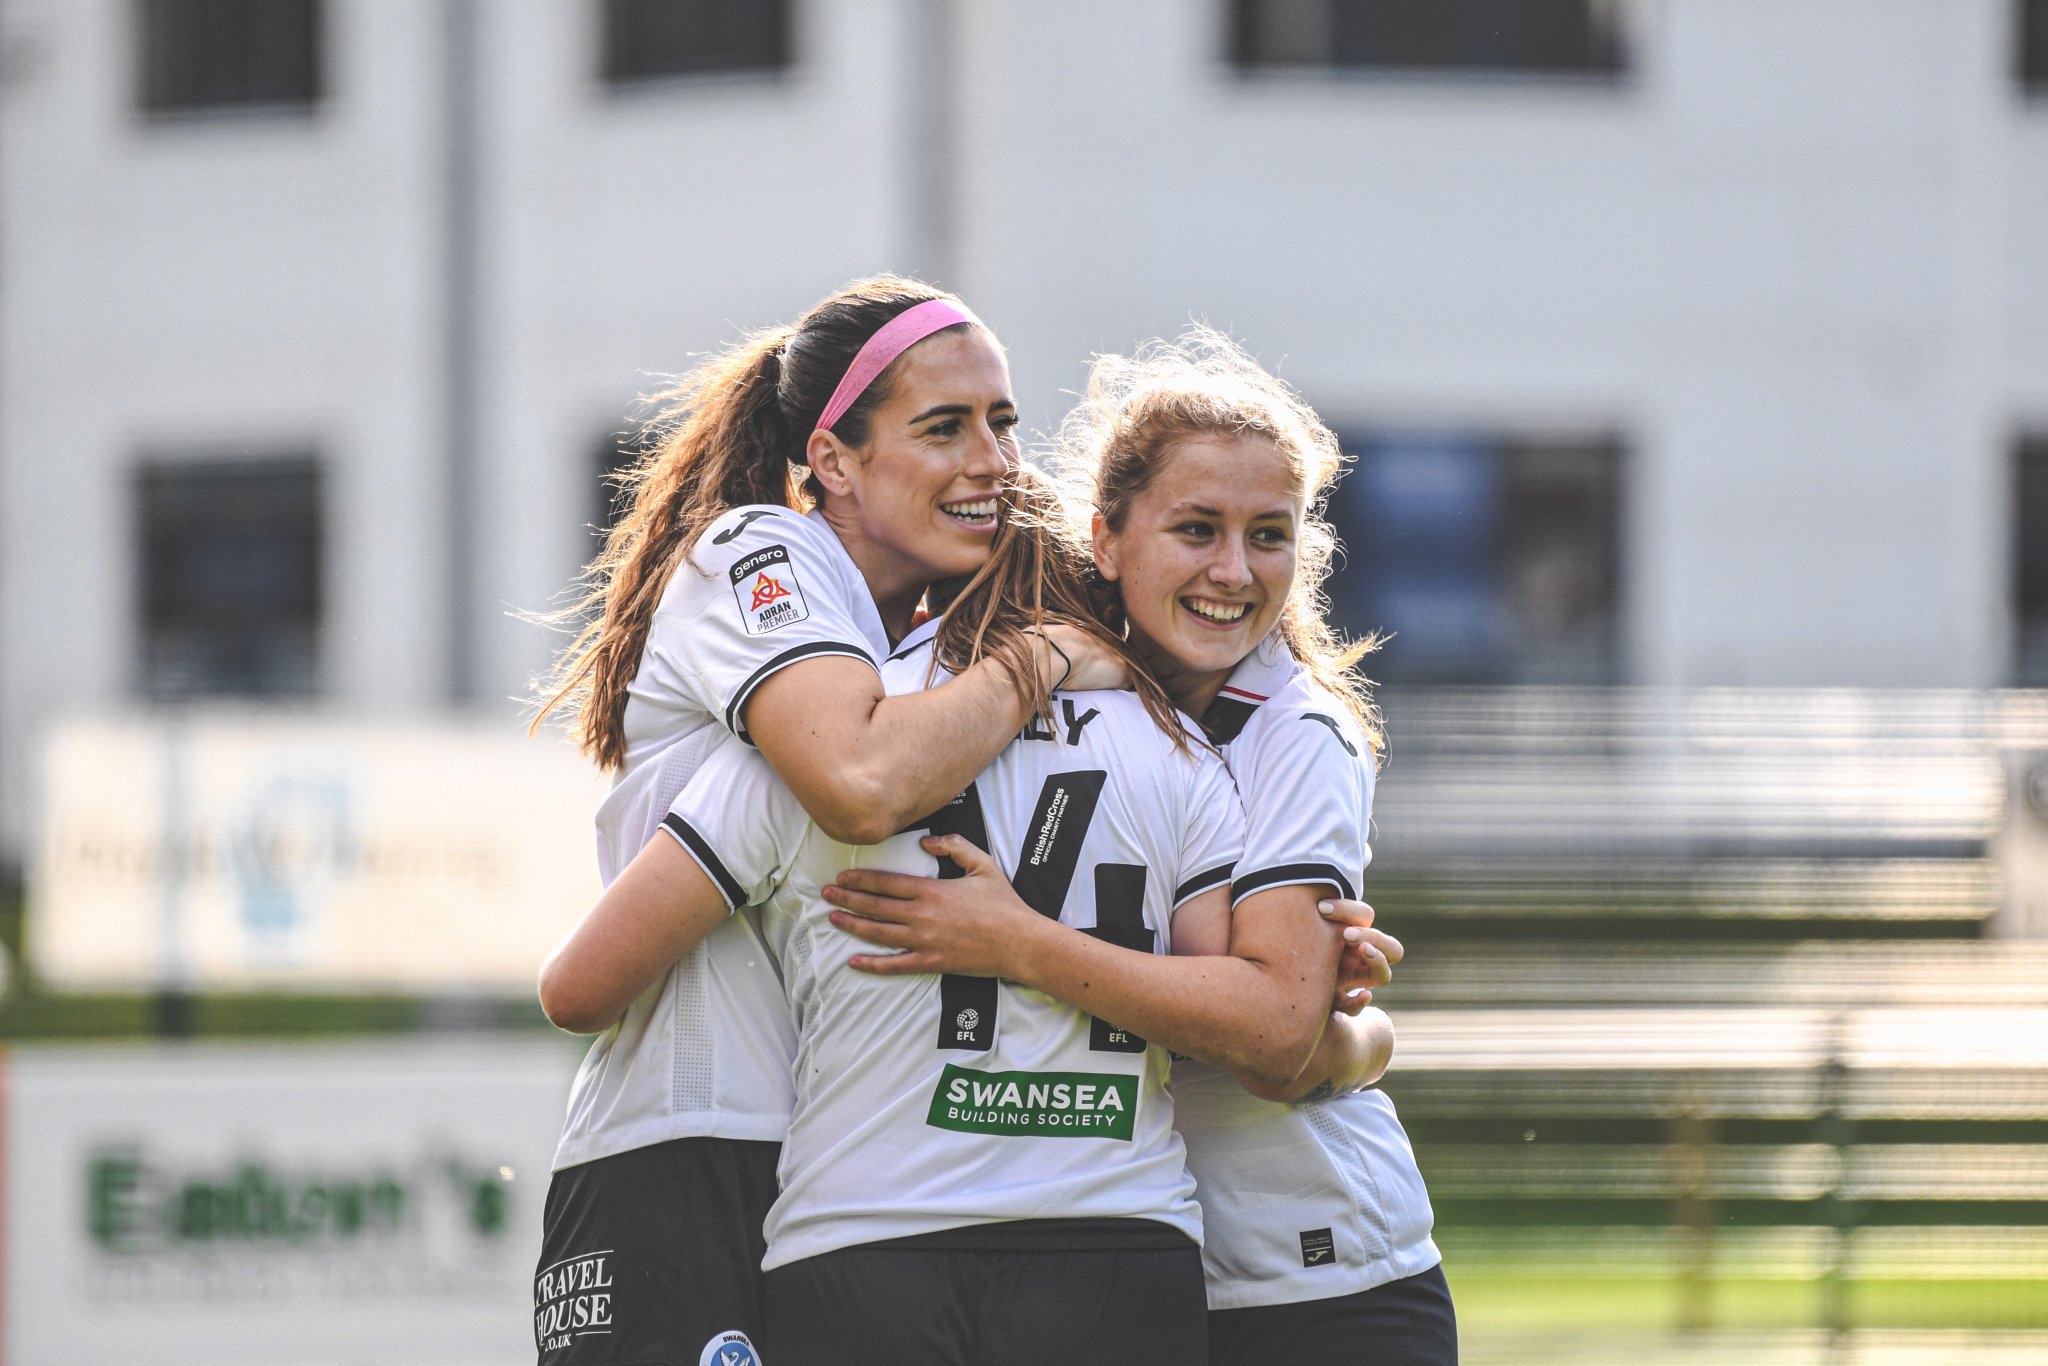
{"type": "Point", "coordinates": [1137, 408]}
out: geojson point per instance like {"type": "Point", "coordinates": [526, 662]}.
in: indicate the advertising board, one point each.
{"type": "Point", "coordinates": [282, 1205]}
{"type": "Point", "coordinates": [243, 852]}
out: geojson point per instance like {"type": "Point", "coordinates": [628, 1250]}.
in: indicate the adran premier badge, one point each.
{"type": "Point", "coordinates": [764, 583]}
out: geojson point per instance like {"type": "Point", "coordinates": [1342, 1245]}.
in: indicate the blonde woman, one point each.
{"type": "Point", "coordinates": [1201, 477]}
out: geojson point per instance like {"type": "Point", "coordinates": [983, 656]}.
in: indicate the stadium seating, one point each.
{"type": "Point", "coordinates": [1725, 988]}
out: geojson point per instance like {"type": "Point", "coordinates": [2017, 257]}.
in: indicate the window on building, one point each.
{"type": "Point", "coordinates": [2030, 563]}
{"type": "Point", "coordinates": [226, 54]}
{"type": "Point", "coordinates": [231, 577]}
{"type": "Point", "coordinates": [1569, 37]}
{"type": "Point", "coordinates": [2033, 46]}
{"type": "Point", "coordinates": [1487, 559]}
{"type": "Point", "coordinates": [651, 39]}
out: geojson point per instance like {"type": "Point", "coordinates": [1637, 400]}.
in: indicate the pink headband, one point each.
{"type": "Point", "coordinates": [896, 336]}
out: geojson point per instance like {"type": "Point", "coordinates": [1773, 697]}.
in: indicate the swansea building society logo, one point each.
{"type": "Point", "coordinates": [765, 587]}
{"type": "Point", "coordinates": [1035, 1104]}
{"type": "Point", "coordinates": [729, 1349]}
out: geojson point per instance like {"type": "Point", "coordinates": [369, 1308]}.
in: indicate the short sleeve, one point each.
{"type": "Point", "coordinates": [762, 589]}
{"type": "Point", "coordinates": [1212, 839]}
{"type": "Point", "coordinates": [1307, 779]}
{"type": "Point", "coordinates": [739, 821]}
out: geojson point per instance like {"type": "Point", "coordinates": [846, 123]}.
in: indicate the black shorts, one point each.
{"type": "Point", "coordinates": [1079, 1292]}
{"type": "Point", "coordinates": [648, 1257]}
{"type": "Point", "coordinates": [1402, 1323]}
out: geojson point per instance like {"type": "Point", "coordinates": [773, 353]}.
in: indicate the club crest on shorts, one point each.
{"type": "Point", "coordinates": [729, 1349]}
{"type": "Point", "coordinates": [764, 584]}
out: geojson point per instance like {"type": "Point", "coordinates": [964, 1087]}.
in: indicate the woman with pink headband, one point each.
{"type": "Point", "coordinates": [720, 607]}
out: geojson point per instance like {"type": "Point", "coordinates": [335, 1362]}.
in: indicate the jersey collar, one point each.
{"type": "Point", "coordinates": [919, 637]}
{"type": "Point", "coordinates": [1257, 677]}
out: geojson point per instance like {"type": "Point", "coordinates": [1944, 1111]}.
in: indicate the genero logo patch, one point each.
{"type": "Point", "coordinates": [764, 584]}
{"type": "Point", "coordinates": [1037, 1104]}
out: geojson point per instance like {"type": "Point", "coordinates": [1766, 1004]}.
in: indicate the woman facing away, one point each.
{"type": "Point", "coordinates": [1203, 477]}
{"type": "Point", "coordinates": [974, 1172]}
{"type": "Point", "coordinates": [721, 607]}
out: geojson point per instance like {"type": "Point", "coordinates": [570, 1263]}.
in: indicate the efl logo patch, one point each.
{"type": "Point", "coordinates": [764, 583]}
{"type": "Point", "coordinates": [1040, 1104]}
{"type": "Point", "coordinates": [729, 1349]}
{"type": "Point", "coordinates": [1318, 1248]}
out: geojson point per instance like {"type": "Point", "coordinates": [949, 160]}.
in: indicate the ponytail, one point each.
{"type": "Point", "coordinates": [729, 433]}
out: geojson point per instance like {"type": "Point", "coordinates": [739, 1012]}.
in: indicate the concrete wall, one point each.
{"type": "Point", "coordinates": [1782, 257]}
{"type": "Point", "coordinates": [1797, 257]}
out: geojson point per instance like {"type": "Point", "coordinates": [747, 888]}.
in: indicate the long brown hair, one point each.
{"type": "Point", "coordinates": [1037, 572]}
{"type": "Point", "coordinates": [1138, 407]}
{"type": "Point", "coordinates": [730, 432]}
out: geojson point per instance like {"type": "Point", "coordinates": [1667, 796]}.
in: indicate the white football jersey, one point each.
{"type": "Point", "coordinates": [706, 1051]}
{"type": "Point", "coordinates": [1310, 1201]}
{"type": "Point", "coordinates": [927, 1103]}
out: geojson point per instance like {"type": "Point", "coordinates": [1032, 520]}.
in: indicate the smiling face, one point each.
{"type": "Point", "coordinates": [919, 501]}
{"type": "Point", "coordinates": [1205, 558]}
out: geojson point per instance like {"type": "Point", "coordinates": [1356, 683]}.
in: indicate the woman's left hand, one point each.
{"type": "Point", "coordinates": [971, 925]}
{"type": "Point", "coordinates": [1369, 954]}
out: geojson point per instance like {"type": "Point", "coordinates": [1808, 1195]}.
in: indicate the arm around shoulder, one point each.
{"type": "Point", "coordinates": [1352, 1054]}
{"type": "Point", "coordinates": [866, 765]}
{"type": "Point", "coordinates": [657, 910]}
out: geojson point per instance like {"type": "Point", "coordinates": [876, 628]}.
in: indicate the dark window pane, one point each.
{"type": "Point", "coordinates": [652, 38]}
{"type": "Point", "coordinates": [1562, 36]}
{"type": "Point", "coordinates": [206, 54]}
{"type": "Point", "coordinates": [231, 569]}
{"type": "Point", "coordinates": [1489, 559]}
{"type": "Point", "coordinates": [2030, 563]}
{"type": "Point", "coordinates": [2033, 45]}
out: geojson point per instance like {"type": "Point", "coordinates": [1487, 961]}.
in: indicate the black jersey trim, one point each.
{"type": "Point", "coordinates": [700, 849]}
{"type": "Point", "coordinates": [1283, 874]}
{"type": "Point", "coordinates": [1225, 719]}
{"type": "Point", "coordinates": [783, 661]}
{"type": "Point", "coordinates": [917, 638]}
{"type": "Point", "coordinates": [1202, 882]}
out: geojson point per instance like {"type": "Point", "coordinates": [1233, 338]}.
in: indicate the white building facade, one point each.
{"type": "Point", "coordinates": [310, 353]}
